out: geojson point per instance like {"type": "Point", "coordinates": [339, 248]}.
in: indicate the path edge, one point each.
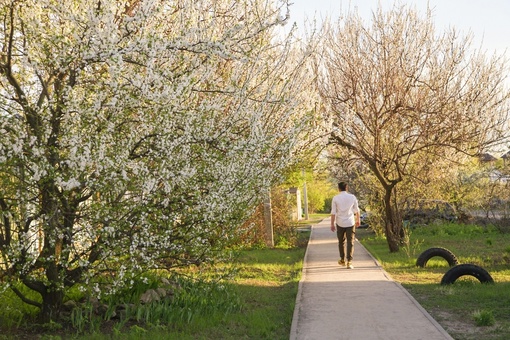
{"type": "Point", "coordinates": [299, 295]}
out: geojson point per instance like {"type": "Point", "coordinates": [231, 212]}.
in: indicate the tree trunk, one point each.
{"type": "Point", "coordinates": [393, 243]}
{"type": "Point", "coordinates": [51, 305]}
{"type": "Point", "coordinates": [393, 225]}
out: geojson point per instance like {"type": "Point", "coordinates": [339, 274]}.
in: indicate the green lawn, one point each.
{"type": "Point", "coordinates": [466, 309]}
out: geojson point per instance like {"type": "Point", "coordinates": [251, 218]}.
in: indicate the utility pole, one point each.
{"type": "Point", "coordinates": [268, 219]}
{"type": "Point", "coordinates": [305, 196]}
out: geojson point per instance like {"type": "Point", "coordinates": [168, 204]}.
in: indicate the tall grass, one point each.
{"type": "Point", "coordinates": [466, 309]}
{"type": "Point", "coordinates": [13, 313]}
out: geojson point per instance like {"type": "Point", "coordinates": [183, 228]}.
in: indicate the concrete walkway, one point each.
{"type": "Point", "coordinates": [363, 303]}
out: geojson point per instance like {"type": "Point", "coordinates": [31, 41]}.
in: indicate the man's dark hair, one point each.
{"type": "Point", "coordinates": [342, 186]}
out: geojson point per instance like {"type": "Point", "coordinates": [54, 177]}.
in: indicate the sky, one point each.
{"type": "Point", "coordinates": [486, 19]}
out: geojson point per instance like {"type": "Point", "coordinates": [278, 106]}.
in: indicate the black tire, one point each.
{"type": "Point", "coordinates": [466, 269]}
{"type": "Point", "coordinates": [422, 260]}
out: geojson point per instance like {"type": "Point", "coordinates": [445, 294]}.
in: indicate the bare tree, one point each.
{"type": "Point", "coordinates": [402, 95]}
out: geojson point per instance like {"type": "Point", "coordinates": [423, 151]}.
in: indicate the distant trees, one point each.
{"type": "Point", "coordinates": [320, 191]}
{"type": "Point", "coordinates": [403, 96]}
{"type": "Point", "coordinates": [138, 134]}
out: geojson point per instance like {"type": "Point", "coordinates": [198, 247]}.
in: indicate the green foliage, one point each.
{"type": "Point", "coordinates": [193, 298]}
{"type": "Point", "coordinates": [52, 326]}
{"type": "Point", "coordinates": [84, 319]}
{"type": "Point", "coordinates": [296, 178]}
{"type": "Point", "coordinates": [320, 193]}
{"type": "Point", "coordinates": [410, 247]}
{"type": "Point", "coordinates": [50, 337]}
{"type": "Point", "coordinates": [484, 317]}
{"type": "Point", "coordinates": [13, 313]}
{"type": "Point", "coordinates": [454, 229]}
{"type": "Point", "coordinates": [282, 242]}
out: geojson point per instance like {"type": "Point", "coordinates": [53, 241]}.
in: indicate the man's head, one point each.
{"type": "Point", "coordinates": [342, 186]}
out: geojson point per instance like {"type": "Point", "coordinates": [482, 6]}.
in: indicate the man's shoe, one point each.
{"type": "Point", "coordinates": [341, 262]}
{"type": "Point", "coordinates": [349, 265]}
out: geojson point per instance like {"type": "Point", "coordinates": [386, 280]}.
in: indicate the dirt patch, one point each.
{"type": "Point", "coordinates": [460, 329]}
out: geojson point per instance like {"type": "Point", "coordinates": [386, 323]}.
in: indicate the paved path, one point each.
{"type": "Point", "coordinates": [363, 303]}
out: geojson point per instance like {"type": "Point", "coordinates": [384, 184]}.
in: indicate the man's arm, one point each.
{"type": "Point", "coordinates": [333, 222]}
{"type": "Point", "coordinates": [357, 214]}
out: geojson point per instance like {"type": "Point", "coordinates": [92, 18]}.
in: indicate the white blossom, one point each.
{"type": "Point", "coordinates": [146, 134]}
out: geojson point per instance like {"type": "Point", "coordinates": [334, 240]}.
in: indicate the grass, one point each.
{"type": "Point", "coordinates": [483, 317]}
{"type": "Point", "coordinates": [466, 309]}
{"type": "Point", "coordinates": [257, 302]}
{"type": "Point", "coordinates": [266, 285]}
{"type": "Point", "coordinates": [312, 219]}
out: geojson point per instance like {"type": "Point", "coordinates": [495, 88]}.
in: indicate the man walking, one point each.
{"type": "Point", "coordinates": [345, 217]}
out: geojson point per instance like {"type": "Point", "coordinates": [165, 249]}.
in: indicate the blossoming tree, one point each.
{"type": "Point", "coordinates": [137, 134]}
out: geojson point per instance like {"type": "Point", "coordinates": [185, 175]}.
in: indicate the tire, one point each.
{"type": "Point", "coordinates": [422, 260]}
{"type": "Point", "coordinates": [466, 269]}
